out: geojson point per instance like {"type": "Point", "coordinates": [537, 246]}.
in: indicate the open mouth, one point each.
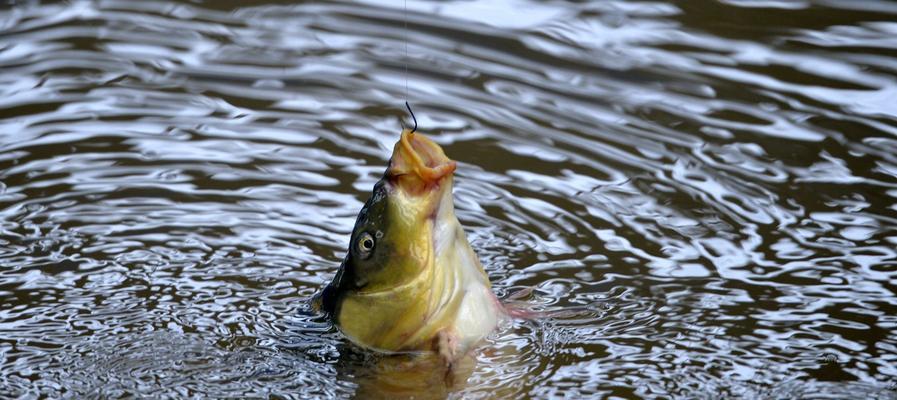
{"type": "Point", "coordinates": [417, 157]}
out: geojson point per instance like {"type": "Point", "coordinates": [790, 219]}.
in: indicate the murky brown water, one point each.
{"type": "Point", "coordinates": [717, 179]}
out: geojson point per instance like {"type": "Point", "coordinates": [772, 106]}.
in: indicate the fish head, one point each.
{"type": "Point", "coordinates": [392, 243]}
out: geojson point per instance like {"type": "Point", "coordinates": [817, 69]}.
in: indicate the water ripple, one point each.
{"type": "Point", "coordinates": [178, 178]}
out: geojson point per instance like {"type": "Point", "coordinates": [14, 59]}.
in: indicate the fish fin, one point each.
{"type": "Point", "coordinates": [316, 302]}
{"type": "Point", "coordinates": [525, 292]}
{"type": "Point", "coordinates": [446, 346]}
{"type": "Point", "coordinates": [522, 310]}
{"type": "Point", "coordinates": [516, 305]}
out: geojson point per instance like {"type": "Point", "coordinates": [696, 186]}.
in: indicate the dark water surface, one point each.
{"type": "Point", "coordinates": [716, 179]}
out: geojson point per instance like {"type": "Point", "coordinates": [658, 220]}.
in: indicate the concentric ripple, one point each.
{"type": "Point", "coordinates": [715, 181]}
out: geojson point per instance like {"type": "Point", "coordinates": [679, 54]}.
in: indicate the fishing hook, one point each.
{"type": "Point", "coordinates": [412, 116]}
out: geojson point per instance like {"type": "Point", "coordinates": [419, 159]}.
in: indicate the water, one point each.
{"type": "Point", "coordinates": [716, 180]}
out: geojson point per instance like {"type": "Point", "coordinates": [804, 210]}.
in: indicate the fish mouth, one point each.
{"type": "Point", "coordinates": [418, 163]}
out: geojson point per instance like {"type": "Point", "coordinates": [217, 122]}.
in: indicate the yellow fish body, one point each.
{"type": "Point", "coordinates": [410, 281]}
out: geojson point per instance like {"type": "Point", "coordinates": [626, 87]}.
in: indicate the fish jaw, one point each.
{"type": "Point", "coordinates": [418, 165]}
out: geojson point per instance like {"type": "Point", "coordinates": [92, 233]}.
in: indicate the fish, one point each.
{"type": "Point", "coordinates": [410, 281]}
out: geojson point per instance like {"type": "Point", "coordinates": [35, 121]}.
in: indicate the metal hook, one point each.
{"type": "Point", "coordinates": [412, 117]}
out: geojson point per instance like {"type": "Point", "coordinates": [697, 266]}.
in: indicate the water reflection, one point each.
{"type": "Point", "coordinates": [716, 181]}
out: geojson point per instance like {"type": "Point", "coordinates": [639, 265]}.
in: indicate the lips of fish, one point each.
{"type": "Point", "coordinates": [410, 281]}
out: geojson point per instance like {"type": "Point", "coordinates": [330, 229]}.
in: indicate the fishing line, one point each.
{"type": "Point", "coordinates": [405, 18]}
{"type": "Point", "coordinates": [406, 70]}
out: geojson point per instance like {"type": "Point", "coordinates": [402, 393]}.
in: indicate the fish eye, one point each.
{"type": "Point", "coordinates": [366, 244]}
